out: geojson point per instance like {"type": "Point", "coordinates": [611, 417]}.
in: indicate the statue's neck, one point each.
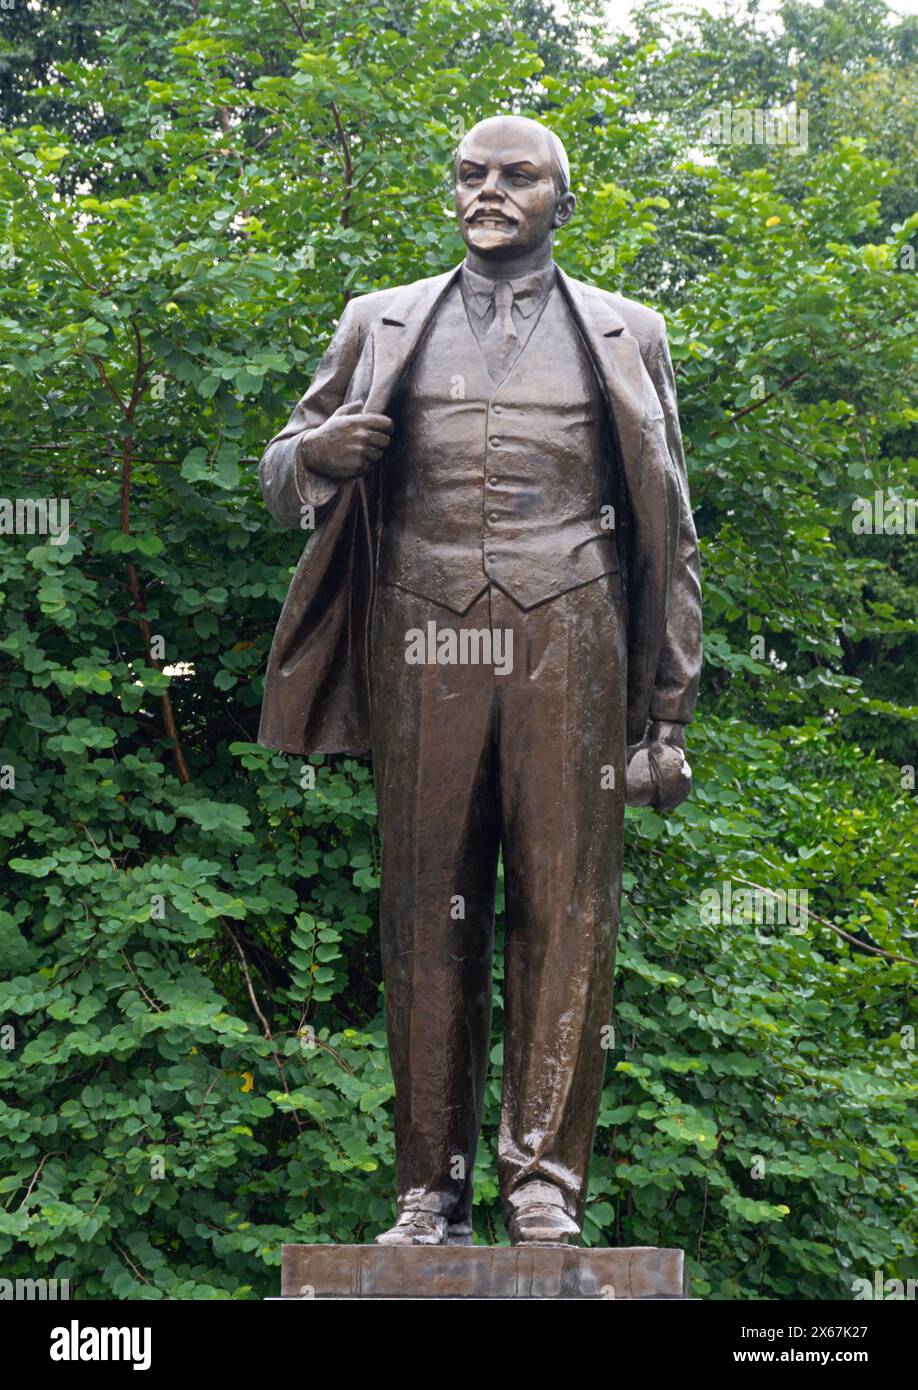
{"type": "Point", "coordinates": [510, 267]}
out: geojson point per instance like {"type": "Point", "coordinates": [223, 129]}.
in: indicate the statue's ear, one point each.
{"type": "Point", "coordinates": [564, 209]}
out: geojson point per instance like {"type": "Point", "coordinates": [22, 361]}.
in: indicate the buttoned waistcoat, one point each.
{"type": "Point", "coordinates": [502, 482]}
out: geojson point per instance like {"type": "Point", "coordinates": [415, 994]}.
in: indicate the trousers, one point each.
{"type": "Point", "coordinates": [522, 759]}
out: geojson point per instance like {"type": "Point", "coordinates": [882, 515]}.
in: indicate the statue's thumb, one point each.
{"type": "Point", "coordinates": [352, 408]}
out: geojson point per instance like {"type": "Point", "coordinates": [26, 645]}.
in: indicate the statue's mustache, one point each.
{"type": "Point", "coordinates": [497, 214]}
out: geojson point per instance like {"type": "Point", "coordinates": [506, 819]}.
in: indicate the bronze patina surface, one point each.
{"type": "Point", "coordinates": [501, 603]}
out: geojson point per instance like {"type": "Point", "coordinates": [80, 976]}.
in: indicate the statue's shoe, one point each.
{"type": "Point", "coordinates": [459, 1233]}
{"type": "Point", "coordinates": [541, 1223]}
{"type": "Point", "coordinates": [416, 1228]}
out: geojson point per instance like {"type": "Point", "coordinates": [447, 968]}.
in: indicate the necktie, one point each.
{"type": "Point", "coordinates": [501, 339]}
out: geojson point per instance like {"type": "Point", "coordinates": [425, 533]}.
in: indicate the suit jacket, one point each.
{"type": "Point", "coordinates": [317, 688]}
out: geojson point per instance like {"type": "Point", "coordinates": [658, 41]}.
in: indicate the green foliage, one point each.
{"type": "Point", "coordinates": [192, 1050]}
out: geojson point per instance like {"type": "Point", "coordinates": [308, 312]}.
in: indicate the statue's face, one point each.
{"type": "Point", "coordinates": [506, 199]}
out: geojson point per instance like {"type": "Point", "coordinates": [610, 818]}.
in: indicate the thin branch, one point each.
{"type": "Point", "coordinates": [127, 460]}
{"type": "Point", "coordinates": [830, 926]}
{"type": "Point", "coordinates": [49, 223]}
{"type": "Point", "coordinates": [266, 1031]}
{"type": "Point", "coordinates": [295, 22]}
{"type": "Point", "coordinates": [100, 365]}
{"type": "Point", "coordinates": [704, 1216]}
{"type": "Point", "coordinates": [99, 850]}
{"type": "Point", "coordinates": [35, 1176]}
{"type": "Point", "coordinates": [152, 1002]}
{"type": "Point", "coordinates": [348, 164]}
{"type": "Point", "coordinates": [127, 1259]}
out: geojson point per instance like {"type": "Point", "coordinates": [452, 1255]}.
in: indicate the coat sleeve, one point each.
{"type": "Point", "coordinates": [286, 485]}
{"type": "Point", "coordinates": [679, 666]}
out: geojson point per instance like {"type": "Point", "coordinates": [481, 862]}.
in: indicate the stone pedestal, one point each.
{"type": "Point", "coordinates": [481, 1271]}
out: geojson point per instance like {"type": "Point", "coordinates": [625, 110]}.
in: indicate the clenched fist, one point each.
{"type": "Point", "coordinates": [347, 444]}
{"type": "Point", "coordinates": [658, 774]}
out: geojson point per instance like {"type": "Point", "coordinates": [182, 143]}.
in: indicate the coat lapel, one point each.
{"type": "Point", "coordinates": [617, 357]}
{"type": "Point", "coordinates": [394, 340]}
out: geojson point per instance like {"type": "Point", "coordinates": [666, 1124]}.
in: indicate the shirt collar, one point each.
{"type": "Point", "coordinates": [529, 291]}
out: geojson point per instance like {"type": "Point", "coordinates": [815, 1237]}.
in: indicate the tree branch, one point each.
{"type": "Point", "coordinates": [127, 459]}
{"type": "Point", "coordinates": [266, 1031]}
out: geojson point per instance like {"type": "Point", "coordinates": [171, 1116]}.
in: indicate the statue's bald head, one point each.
{"type": "Point", "coordinates": [523, 127]}
{"type": "Point", "coordinates": [512, 189]}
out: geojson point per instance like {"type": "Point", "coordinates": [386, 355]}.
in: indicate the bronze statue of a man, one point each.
{"type": "Point", "coordinates": [495, 463]}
